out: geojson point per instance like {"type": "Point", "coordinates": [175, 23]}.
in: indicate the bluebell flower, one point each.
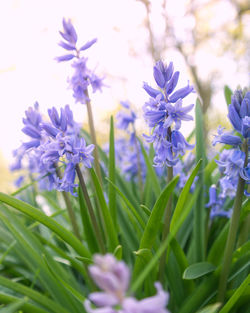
{"type": "Point", "coordinates": [163, 111]}
{"type": "Point", "coordinates": [67, 183]}
{"type": "Point", "coordinates": [70, 38]}
{"type": "Point", "coordinates": [83, 76]}
{"type": "Point", "coordinates": [177, 113]}
{"type": "Point", "coordinates": [234, 163]}
{"type": "Point", "coordinates": [81, 79]}
{"type": "Point", "coordinates": [179, 143]}
{"type": "Point", "coordinates": [239, 110]}
{"type": "Point", "coordinates": [226, 138]}
{"type": "Point", "coordinates": [124, 119]}
{"type": "Point", "coordinates": [163, 73]}
{"type": "Point", "coordinates": [216, 204]}
{"type": "Point", "coordinates": [246, 127]}
{"type": "Point", "coordinates": [127, 159]}
{"type": "Point", "coordinates": [82, 153]}
{"type": "Point", "coordinates": [53, 143]}
{"type": "Point", "coordinates": [69, 32]}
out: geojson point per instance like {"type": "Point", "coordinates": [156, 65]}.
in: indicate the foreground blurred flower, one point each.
{"type": "Point", "coordinates": [113, 277]}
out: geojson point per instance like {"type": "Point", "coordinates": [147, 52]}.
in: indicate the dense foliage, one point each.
{"type": "Point", "coordinates": [136, 226]}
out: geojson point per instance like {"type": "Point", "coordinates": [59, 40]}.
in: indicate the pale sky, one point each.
{"type": "Point", "coordinates": [29, 73]}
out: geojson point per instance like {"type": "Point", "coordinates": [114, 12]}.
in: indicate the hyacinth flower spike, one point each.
{"type": "Point", "coordinates": [133, 158]}
{"type": "Point", "coordinates": [235, 165]}
{"type": "Point", "coordinates": [82, 78]}
{"type": "Point", "coordinates": [164, 113]}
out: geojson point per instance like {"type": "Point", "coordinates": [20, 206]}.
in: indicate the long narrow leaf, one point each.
{"type": "Point", "coordinates": [111, 189]}
{"type": "Point", "coordinates": [63, 233]}
{"type": "Point", "coordinates": [154, 223]}
{"type": "Point", "coordinates": [110, 228]}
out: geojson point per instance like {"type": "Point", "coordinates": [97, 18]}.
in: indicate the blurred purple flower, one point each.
{"type": "Point", "coordinates": [113, 277]}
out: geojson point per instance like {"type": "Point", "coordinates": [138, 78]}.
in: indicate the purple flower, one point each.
{"type": "Point", "coordinates": [226, 138]}
{"type": "Point", "coordinates": [113, 277]}
{"type": "Point", "coordinates": [81, 153]}
{"type": "Point", "coordinates": [51, 143]}
{"type": "Point", "coordinates": [69, 32]}
{"type": "Point", "coordinates": [33, 117]}
{"type": "Point", "coordinates": [181, 93]}
{"type": "Point", "coordinates": [246, 127]}
{"type": "Point", "coordinates": [105, 309]}
{"type": "Point", "coordinates": [177, 113]}
{"type": "Point", "coordinates": [179, 143]}
{"type": "Point", "coordinates": [83, 76]}
{"type": "Point", "coordinates": [163, 73]}
{"type": "Point", "coordinates": [238, 110]}
{"type": "Point", "coordinates": [216, 204]}
{"type": "Point", "coordinates": [155, 304]}
{"type": "Point", "coordinates": [96, 82]}
{"type": "Point", "coordinates": [234, 163]}
{"type": "Point", "coordinates": [68, 181]}
{"type": "Point", "coordinates": [164, 109]}
{"type": "Point", "coordinates": [58, 122]}
{"type": "Point", "coordinates": [125, 119]}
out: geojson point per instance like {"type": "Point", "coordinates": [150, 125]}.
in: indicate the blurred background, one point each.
{"type": "Point", "coordinates": [208, 41]}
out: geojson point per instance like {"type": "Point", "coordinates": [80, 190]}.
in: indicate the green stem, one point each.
{"type": "Point", "coordinates": [70, 210]}
{"type": "Point", "coordinates": [166, 228]}
{"type": "Point", "coordinates": [231, 239]}
{"type": "Point", "coordinates": [90, 209]}
{"type": "Point", "coordinates": [93, 137]}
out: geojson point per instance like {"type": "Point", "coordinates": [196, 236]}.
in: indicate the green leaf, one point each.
{"type": "Point", "coordinates": [199, 209]}
{"type": "Point", "coordinates": [109, 225]}
{"type": "Point", "coordinates": [198, 270]}
{"type": "Point", "coordinates": [30, 251]}
{"type": "Point", "coordinates": [111, 189]}
{"type": "Point", "coordinates": [87, 226]}
{"type": "Point", "coordinates": [84, 260]}
{"type": "Point", "coordinates": [182, 200]}
{"type": "Point", "coordinates": [118, 252]}
{"type": "Point", "coordinates": [73, 291]}
{"type": "Point", "coordinates": [129, 204]}
{"type": "Point", "coordinates": [27, 307]}
{"type": "Point", "coordinates": [235, 297]}
{"type": "Point", "coordinates": [37, 215]}
{"type": "Point", "coordinates": [151, 172]}
{"type": "Point", "coordinates": [13, 307]}
{"type": "Point", "coordinates": [227, 93]}
{"type": "Point", "coordinates": [212, 308]}
{"type": "Point", "coordinates": [154, 223]}
{"type": "Point", "coordinates": [32, 294]}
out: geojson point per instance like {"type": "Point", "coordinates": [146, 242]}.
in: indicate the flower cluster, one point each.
{"type": "Point", "coordinates": [128, 151]}
{"type": "Point", "coordinates": [83, 76]}
{"type": "Point", "coordinates": [233, 163]}
{"type": "Point", "coordinates": [113, 277]}
{"type": "Point", "coordinates": [53, 144]}
{"type": "Point", "coordinates": [163, 110]}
